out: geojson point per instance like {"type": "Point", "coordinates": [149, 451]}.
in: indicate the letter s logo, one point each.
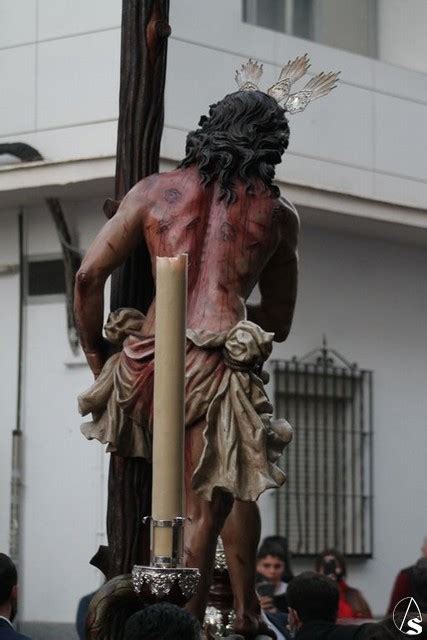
{"type": "Point", "coordinates": [415, 628]}
{"type": "Point", "coordinates": [404, 619]}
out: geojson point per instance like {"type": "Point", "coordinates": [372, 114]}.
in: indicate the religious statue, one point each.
{"type": "Point", "coordinates": [220, 207]}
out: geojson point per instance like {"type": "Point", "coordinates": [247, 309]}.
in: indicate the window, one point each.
{"type": "Point", "coordinates": [345, 24]}
{"type": "Point", "coordinates": [327, 499]}
{"type": "Point", "coordinates": [287, 16]}
{"type": "Point", "coordinates": [45, 277]}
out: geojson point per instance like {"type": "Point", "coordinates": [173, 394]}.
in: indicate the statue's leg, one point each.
{"type": "Point", "coordinates": [206, 519]}
{"type": "Point", "coordinates": [240, 536]}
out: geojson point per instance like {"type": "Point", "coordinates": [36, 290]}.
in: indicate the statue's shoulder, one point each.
{"type": "Point", "coordinates": [145, 185]}
{"type": "Point", "coordinates": [288, 207]}
{"type": "Point", "coordinates": [160, 182]}
{"type": "Point", "coordinates": [289, 222]}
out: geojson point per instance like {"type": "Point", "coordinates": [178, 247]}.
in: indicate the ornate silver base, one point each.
{"type": "Point", "coordinates": [172, 584]}
{"type": "Point", "coordinates": [219, 616]}
{"type": "Point", "coordinates": [218, 624]}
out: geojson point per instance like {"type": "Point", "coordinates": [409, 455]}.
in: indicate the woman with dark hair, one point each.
{"type": "Point", "coordinates": [351, 604]}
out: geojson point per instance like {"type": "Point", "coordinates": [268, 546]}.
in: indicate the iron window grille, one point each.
{"type": "Point", "coordinates": [327, 500]}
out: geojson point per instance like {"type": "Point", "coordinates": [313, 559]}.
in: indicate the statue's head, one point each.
{"type": "Point", "coordinates": [243, 138]}
{"type": "Point", "coordinates": [246, 133]}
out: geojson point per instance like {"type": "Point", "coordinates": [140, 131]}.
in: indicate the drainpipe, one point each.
{"type": "Point", "coordinates": [16, 479]}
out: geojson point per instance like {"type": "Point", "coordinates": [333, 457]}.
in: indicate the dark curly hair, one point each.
{"type": "Point", "coordinates": [163, 621]}
{"type": "Point", "coordinates": [244, 137]}
{"type": "Point", "coordinates": [313, 596]}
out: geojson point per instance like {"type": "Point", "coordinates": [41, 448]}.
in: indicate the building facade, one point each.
{"type": "Point", "coordinates": [355, 169]}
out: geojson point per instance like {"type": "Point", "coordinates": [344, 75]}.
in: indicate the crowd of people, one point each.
{"type": "Point", "coordinates": [314, 605]}
{"type": "Point", "coordinates": [291, 602]}
{"type": "Point", "coordinates": [274, 569]}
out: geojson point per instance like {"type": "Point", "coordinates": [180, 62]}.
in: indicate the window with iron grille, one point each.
{"type": "Point", "coordinates": [327, 499]}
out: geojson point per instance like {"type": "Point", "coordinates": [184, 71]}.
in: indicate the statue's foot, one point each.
{"type": "Point", "coordinates": [251, 625]}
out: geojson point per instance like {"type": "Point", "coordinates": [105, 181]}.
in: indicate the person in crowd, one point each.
{"type": "Point", "coordinates": [352, 603]}
{"type": "Point", "coordinates": [404, 583]}
{"type": "Point", "coordinates": [8, 599]}
{"type": "Point", "coordinates": [162, 622]}
{"type": "Point", "coordinates": [419, 578]}
{"type": "Point", "coordinates": [282, 542]}
{"type": "Point", "coordinates": [384, 630]}
{"type": "Point", "coordinates": [313, 606]}
{"type": "Point", "coordinates": [271, 588]}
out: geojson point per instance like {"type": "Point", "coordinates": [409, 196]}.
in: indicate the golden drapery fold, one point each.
{"type": "Point", "coordinates": [241, 442]}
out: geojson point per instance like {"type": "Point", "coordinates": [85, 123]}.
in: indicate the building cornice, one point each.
{"type": "Point", "coordinates": [26, 184]}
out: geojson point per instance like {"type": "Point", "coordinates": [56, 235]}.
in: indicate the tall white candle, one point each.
{"type": "Point", "coordinates": [169, 386]}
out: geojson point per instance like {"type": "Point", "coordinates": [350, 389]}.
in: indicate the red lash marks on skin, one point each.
{"type": "Point", "coordinates": [172, 195]}
{"type": "Point", "coordinates": [164, 225]}
{"type": "Point", "coordinates": [228, 232]}
{"type": "Point", "coordinates": [193, 223]}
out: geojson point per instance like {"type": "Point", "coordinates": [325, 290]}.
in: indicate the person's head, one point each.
{"type": "Point", "coordinates": [243, 137]}
{"type": "Point", "coordinates": [331, 563]}
{"type": "Point", "coordinates": [282, 543]}
{"type": "Point", "coordinates": [271, 563]}
{"type": "Point", "coordinates": [424, 548]}
{"type": "Point", "coordinates": [8, 587]}
{"type": "Point", "coordinates": [311, 596]}
{"type": "Point", "coordinates": [162, 622]}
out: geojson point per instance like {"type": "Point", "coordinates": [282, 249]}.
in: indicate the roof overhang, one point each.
{"type": "Point", "coordinates": [26, 184]}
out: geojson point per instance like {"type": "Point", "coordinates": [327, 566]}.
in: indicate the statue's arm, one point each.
{"type": "Point", "coordinates": [110, 248]}
{"type": "Point", "coordinates": [279, 279]}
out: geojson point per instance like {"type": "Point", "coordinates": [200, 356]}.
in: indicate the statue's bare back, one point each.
{"type": "Point", "coordinates": [227, 245]}
{"type": "Point", "coordinates": [231, 248]}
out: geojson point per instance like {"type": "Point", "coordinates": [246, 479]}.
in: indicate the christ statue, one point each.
{"type": "Point", "coordinates": [222, 208]}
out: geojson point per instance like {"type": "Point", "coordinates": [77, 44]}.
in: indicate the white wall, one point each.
{"type": "Point", "coordinates": [59, 68]}
{"type": "Point", "coordinates": [402, 33]}
{"type": "Point", "coordinates": [64, 482]}
{"type": "Point", "coordinates": [368, 298]}
{"type": "Point", "coordinates": [64, 507]}
{"type": "Point", "coordinates": [62, 95]}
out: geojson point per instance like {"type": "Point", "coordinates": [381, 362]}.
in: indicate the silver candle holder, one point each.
{"type": "Point", "coordinates": [166, 578]}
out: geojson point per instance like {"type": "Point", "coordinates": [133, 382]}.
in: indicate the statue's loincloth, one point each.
{"type": "Point", "coordinates": [222, 388]}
